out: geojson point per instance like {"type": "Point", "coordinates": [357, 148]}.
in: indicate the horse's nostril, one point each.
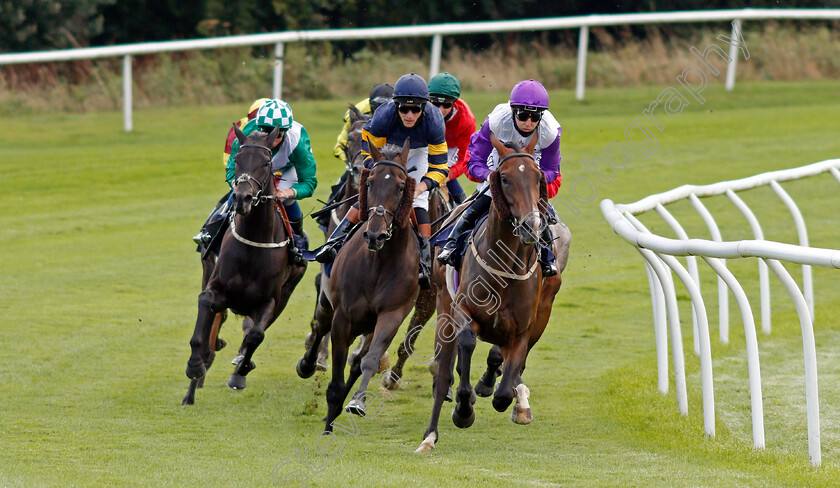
{"type": "Point", "coordinates": [380, 237]}
{"type": "Point", "coordinates": [366, 236]}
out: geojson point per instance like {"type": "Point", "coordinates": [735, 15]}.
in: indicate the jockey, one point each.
{"type": "Point", "coordinates": [517, 121]}
{"type": "Point", "coordinates": [445, 93]}
{"type": "Point", "coordinates": [407, 116]}
{"type": "Point", "coordinates": [252, 112]}
{"type": "Point", "coordinates": [292, 162]}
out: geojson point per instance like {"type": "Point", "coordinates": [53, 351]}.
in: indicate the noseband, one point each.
{"type": "Point", "coordinates": [382, 211]}
{"type": "Point", "coordinates": [258, 197]}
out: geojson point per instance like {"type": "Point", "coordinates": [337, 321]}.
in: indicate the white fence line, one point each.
{"type": "Point", "coordinates": [660, 251]}
{"type": "Point", "coordinates": [436, 31]}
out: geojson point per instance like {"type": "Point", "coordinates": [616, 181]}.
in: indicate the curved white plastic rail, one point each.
{"type": "Point", "coordinates": [658, 253]}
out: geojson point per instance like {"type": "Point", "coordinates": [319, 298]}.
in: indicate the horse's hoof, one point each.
{"type": "Point", "coordinates": [391, 380]}
{"type": "Point", "coordinates": [238, 359]}
{"type": "Point", "coordinates": [356, 407]}
{"type": "Point", "coordinates": [462, 422]}
{"type": "Point", "coordinates": [195, 370]}
{"type": "Point", "coordinates": [428, 444]}
{"type": "Point", "coordinates": [473, 398]}
{"type": "Point", "coordinates": [521, 416]}
{"type": "Point", "coordinates": [433, 367]}
{"type": "Point", "coordinates": [236, 382]}
{"type": "Point", "coordinates": [384, 362]}
{"type": "Point", "coordinates": [449, 395]}
{"type": "Point", "coordinates": [220, 343]}
{"type": "Point", "coordinates": [304, 369]}
{"type": "Point", "coordinates": [188, 400]}
{"type": "Point", "coordinates": [320, 365]}
{"type": "Point", "coordinates": [483, 390]}
{"type": "Point", "coordinates": [199, 383]}
{"type": "Point", "coordinates": [501, 402]}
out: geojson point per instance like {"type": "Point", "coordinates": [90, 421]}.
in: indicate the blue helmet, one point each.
{"type": "Point", "coordinates": [411, 89]}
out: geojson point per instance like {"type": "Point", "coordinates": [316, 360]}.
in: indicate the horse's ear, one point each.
{"type": "Point", "coordinates": [533, 143]}
{"type": "Point", "coordinates": [500, 148]}
{"type": "Point", "coordinates": [355, 113]}
{"type": "Point", "coordinates": [271, 137]}
{"type": "Point", "coordinates": [374, 152]}
{"type": "Point", "coordinates": [499, 200]}
{"type": "Point", "coordinates": [403, 156]}
{"type": "Point", "coordinates": [239, 135]}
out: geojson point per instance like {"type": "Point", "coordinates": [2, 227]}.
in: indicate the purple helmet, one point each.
{"type": "Point", "coordinates": [529, 93]}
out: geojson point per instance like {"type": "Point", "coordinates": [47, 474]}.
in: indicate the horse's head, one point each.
{"type": "Point", "coordinates": [519, 189]}
{"type": "Point", "coordinates": [386, 195]}
{"type": "Point", "coordinates": [353, 151]}
{"type": "Point", "coordinates": [252, 178]}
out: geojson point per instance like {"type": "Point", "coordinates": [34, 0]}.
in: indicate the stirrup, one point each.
{"type": "Point", "coordinates": [447, 254]}
{"type": "Point", "coordinates": [548, 269]}
{"type": "Point", "coordinates": [202, 238]}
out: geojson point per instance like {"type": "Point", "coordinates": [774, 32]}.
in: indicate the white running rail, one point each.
{"type": "Point", "coordinates": [436, 31]}
{"type": "Point", "coordinates": [658, 253]}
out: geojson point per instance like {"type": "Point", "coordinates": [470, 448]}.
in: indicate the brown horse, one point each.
{"type": "Point", "coordinates": [355, 166]}
{"type": "Point", "coordinates": [507, 307]}
{"type": "Point", "coordinates": [374, 282]}
{"type": "Point", "coordinates": [252, 276]}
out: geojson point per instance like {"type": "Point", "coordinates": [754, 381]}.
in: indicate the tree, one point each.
{"type": "Point", "coordinates": [31, 25]}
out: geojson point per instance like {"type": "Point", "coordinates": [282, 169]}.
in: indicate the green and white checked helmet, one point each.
{"type": "Point", "coordinates": [275, 113]}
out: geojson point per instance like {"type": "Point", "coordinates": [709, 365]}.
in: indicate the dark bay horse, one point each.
{"type": "Point", "coordinates": [502, 297]}
{"type": "Point", "coordinates": [355, 165]}
{"type": "Point", "coordinates": [253, 275]}
{"type": "Point", "coordinates": [374, 282]}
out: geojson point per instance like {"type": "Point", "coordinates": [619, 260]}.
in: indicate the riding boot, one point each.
{"type": "Point", "coordinates": [546, 247]}
{"type": "Point", "coordinates": [425, 278]}
{"type": "Point", "coordinates": [465, 222]}
{"type": "Point", "coordinates": [330, 249]}
{"type": "Point", "coordinates": [215, 222]}
{"type": "Point", "coordinates": [458, 199]}
{"type": "Point", "coordinates": [300, 242]}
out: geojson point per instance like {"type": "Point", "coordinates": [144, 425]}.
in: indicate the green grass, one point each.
{"type": "Point", "coordinates": [99, 279]}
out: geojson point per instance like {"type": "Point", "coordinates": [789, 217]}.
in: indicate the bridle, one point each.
{"type": "Point", "coordinates": [258, 197]}
{"type": "Point", "coordinates": [515, 220]}
{"type": "Point", "coordinates": [382, 211]}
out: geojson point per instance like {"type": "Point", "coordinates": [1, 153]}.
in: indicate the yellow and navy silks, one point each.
{"type": "Point", "coordinates": [430, 131]}
{"type": "Point", "coordinates": [341, 142]}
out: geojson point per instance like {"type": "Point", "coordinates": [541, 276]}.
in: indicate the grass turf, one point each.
{"type": "Point", "coordinates": [99, 280]}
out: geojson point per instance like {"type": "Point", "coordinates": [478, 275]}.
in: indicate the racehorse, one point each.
{"type": "Point", "coordinates": [355, 165]}
{"type": "Point", "coordinates": [508, 308]}
{"type": "Point", "coordinates": [374, 282]}
{"type": "Point", "coordinates": [253, 275]}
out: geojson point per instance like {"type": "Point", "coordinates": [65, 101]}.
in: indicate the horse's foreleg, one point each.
{"type": "Point", "coordinates": [307, 366]}
{"type": "Point", "coordinates": [423, 310]}
{"type": "Point", "coordinates": [208, 305]}
{"type": "Point", "coordinates": [514, 362]}
{"type": "Point", "coordinates": [445, 345]}
{"type": "Point", "coordinates": [463, 414]}
{"type": "Point", "coordinates": [386, 328]}
{"type": "Point", "coordinates": [252, 340]}
{"type": "Point", "coordinates": [484, 387]}
{"type": "Point", "coordinates": [337, 391]}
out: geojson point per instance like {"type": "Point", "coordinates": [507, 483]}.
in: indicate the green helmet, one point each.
{"type": "Point", "coordinates": [275, 113]}
{"type": "Point", "coordinates": [444, 85]}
